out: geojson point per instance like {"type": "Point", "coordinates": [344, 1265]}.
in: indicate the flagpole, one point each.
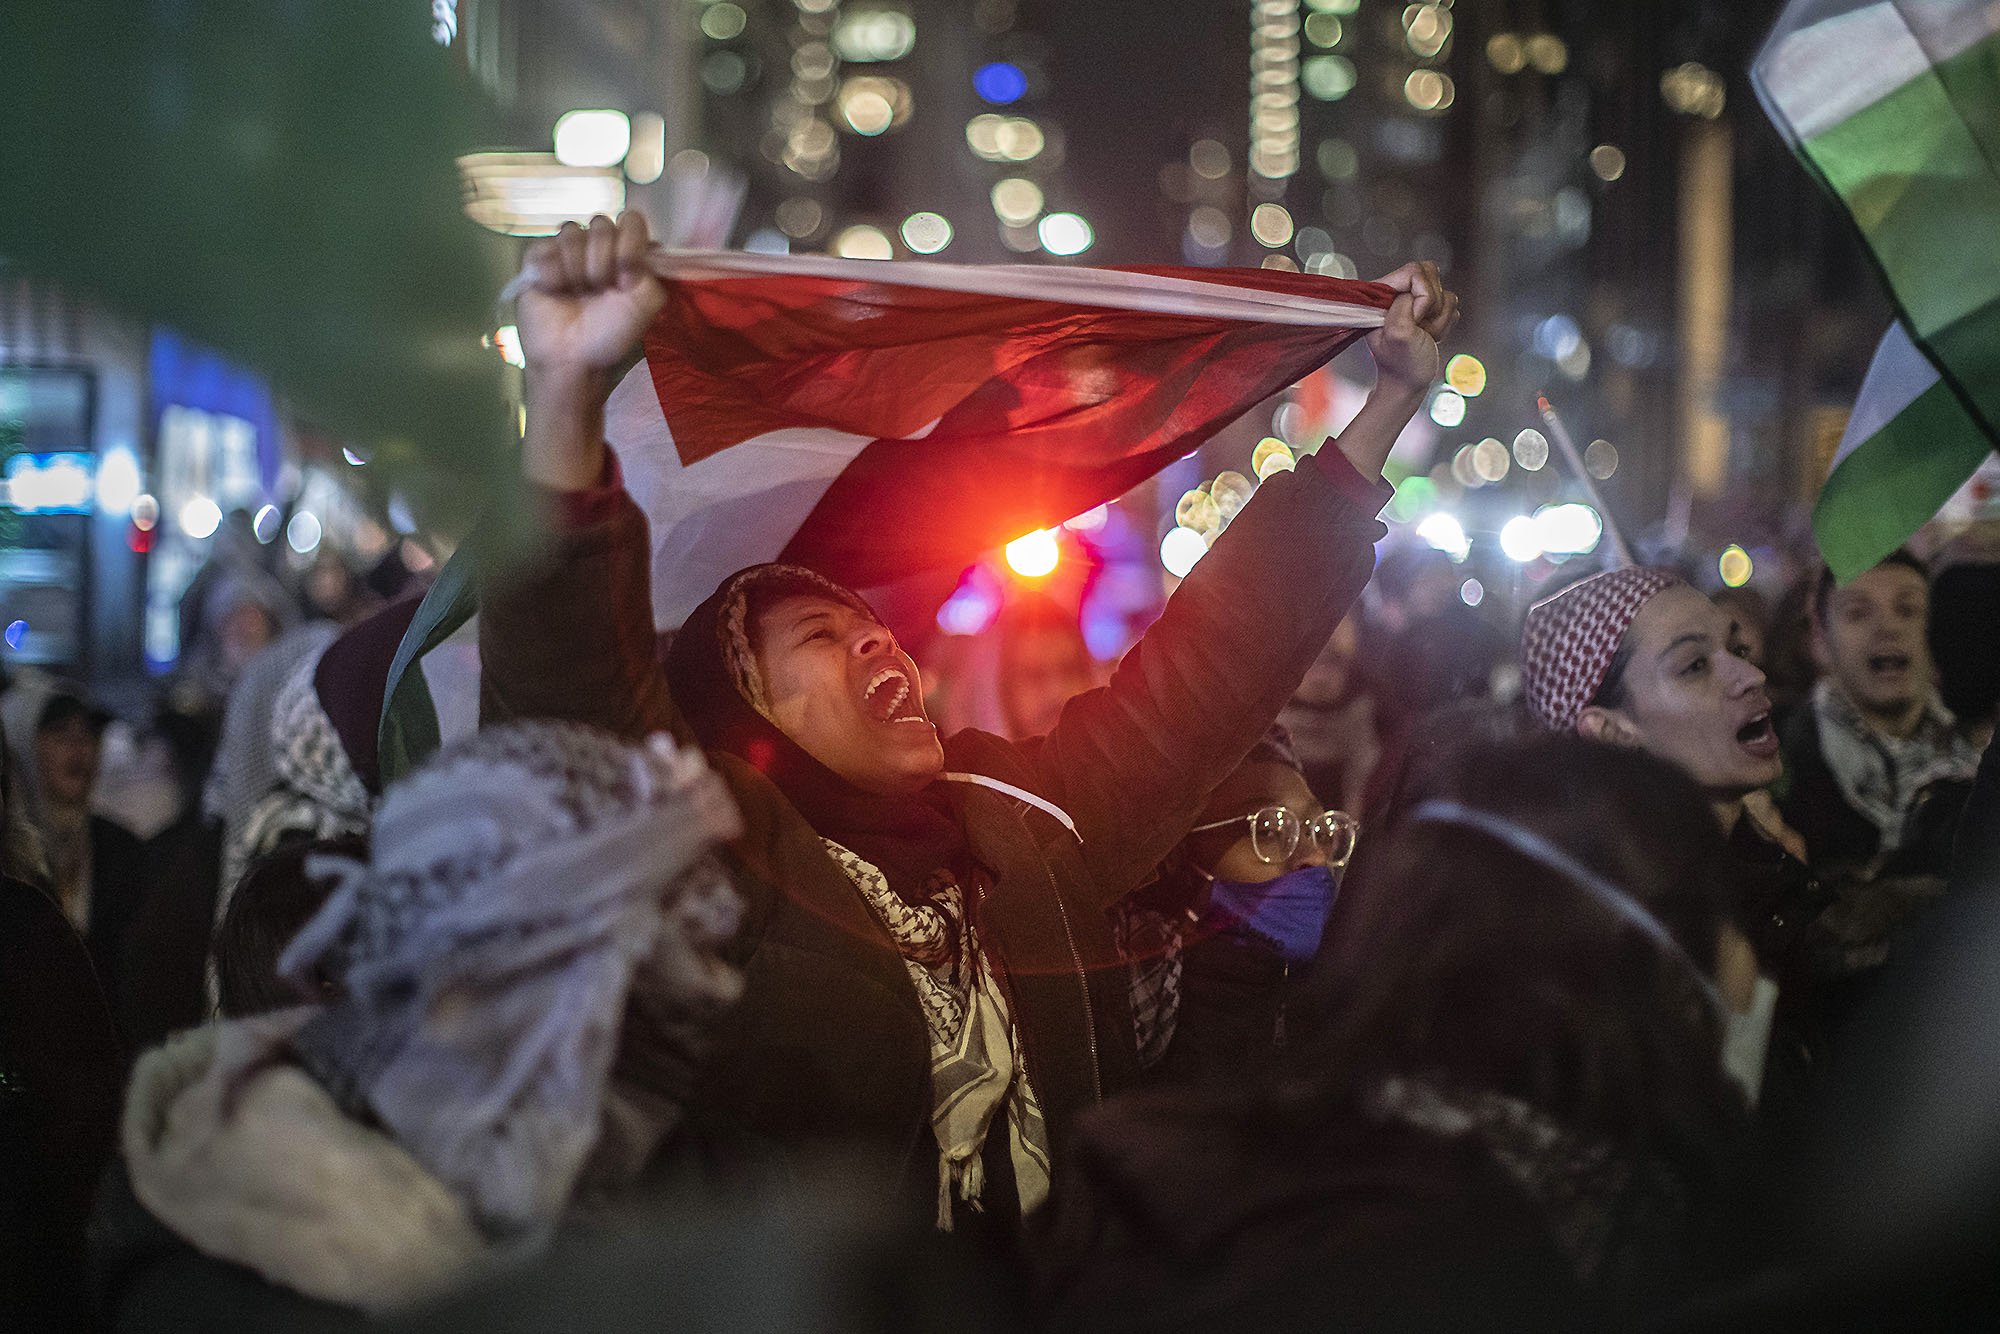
{"type": "Point", "coordinates": [1560, 434]}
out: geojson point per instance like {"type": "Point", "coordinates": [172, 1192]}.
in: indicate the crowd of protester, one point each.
{"type": "Point", "coordinates": [1342, 958]}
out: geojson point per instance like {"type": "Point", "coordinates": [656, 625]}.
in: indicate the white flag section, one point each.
{"type": "Point", "coordinates": [1829, 60]}
{"type": "Point", "coordinates": [729, 510]}
{"type": "Point", "coordinates": [1142, 290]}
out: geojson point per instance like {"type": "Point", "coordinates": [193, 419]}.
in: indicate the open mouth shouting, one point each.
{"type": "Point", "coordinates": [890, 698]}
{"type": "Point", "coordinates": [1758, 736]}
{"type": "Point", "coordinates": [1890, 666]}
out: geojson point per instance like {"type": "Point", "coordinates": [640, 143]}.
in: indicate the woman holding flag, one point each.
{"type": "Point", "coordinates": [932, 981]}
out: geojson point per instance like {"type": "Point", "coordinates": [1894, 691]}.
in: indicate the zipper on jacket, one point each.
{"type": "Point", "coordinates": [1082, 977]}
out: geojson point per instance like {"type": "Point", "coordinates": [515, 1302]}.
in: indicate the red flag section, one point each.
{"type": "Point", "coordinates": [873, 419]}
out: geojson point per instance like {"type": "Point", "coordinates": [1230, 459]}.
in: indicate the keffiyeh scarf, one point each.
{"type": "Point", "coordinates": [317, 793]}
{"type": "Point", "coordinates": [519, 887]}
{"type": "Point", "coordinates": [1152, 943]}
{"type": "Point", "coordinates": [1882, 776]}
{"type": "Point", "coordinates": [1609, 1215]}
{"type": "Point", "coordinates": [246, 760]}
{"type": "Point", "coordinates": [977, 1071]}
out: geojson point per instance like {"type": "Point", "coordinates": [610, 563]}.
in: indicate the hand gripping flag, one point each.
{"type": "Point", "coordinates": [1895, 106]}
{"type": "Point", "coordinates": [873, 420]}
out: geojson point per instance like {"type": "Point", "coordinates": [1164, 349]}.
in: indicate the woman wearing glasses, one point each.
{"type": "Point", "coordinates": [1239, 906]}
{"type": "Point", "coordinates": [1509, 1100]}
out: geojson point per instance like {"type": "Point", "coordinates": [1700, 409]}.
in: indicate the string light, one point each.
{"type": "Point", "coordinates": [1735, 566]}
{"type": "Point", "coordinates": [1466, 374]}
{"type": "Point", "coordinates": [863, 241]}
{"type": "Point", "coordinates": [1445, 533]}
{"type": "Point", "coordinates": [1600, 459]}
{"type": "Point", "coordinates": [1518, 539]}
{"type": "Point", "coordinates": [1180, 549]}
{"type": "Point", "coordinates": [592, 138]}
{"type": "Point", "coordinates": [1531, 449]}
{"type": "Point", "coordinates": [1274, 89]}
{"type": "Point", "coordinates": [1571, 529]}
{"type": "Point", "coordinates": [1065, 234]}
{"type": "Point", "coordinates": [926, 233]}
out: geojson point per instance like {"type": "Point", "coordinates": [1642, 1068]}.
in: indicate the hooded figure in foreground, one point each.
{"type": "Point", "coordinates": [523, 973]}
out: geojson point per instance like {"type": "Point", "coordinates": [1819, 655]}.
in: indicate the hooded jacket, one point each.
{"type": "Point", "coordinates": [829, 1046]}
{"type": "Point", "coordinates": [236, 1161]}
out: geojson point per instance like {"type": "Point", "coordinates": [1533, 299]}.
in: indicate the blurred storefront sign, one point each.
{"type": "Point", "coordinates": [47, 483]}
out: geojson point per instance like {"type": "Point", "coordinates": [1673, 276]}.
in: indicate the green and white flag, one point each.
{"type": "Point", "coordinates": [1908, 446]}
{"type": "Point", "coordinates": [1895, 106]}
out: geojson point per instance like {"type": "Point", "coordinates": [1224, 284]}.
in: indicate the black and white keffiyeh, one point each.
{"type": "Point", "coordinates": [1606, 1212]}
{"type": "Point", "coordinates": [521, 887]}
{"type": "Point", "coordinates": [977, 1070]}
{"type": "Point", "coordinates": [1882, 776]}
{"type": "Point", "coordinates": [316, 793]}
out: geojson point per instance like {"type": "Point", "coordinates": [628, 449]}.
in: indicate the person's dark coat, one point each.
{"type": "Point", "coordinates": [60, 1067]}
{"type": "Point", "coordinates": [165, 948]}
{"type": "Point", "coordinates": [1975, 856]}
{"type": "Point", "coordinates": [1777, 901]}
{"type": "Point", "coordinates": [1234, 987]}
{"type": "Point", "coordinates": [118, 880]}
{"type": "Point", "coordinates": [1184, 1210]}
{"type": "Point", "coordinates": [829, 1045]}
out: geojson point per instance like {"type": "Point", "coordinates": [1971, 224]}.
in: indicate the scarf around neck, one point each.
{"type": "Point", "coordinates": [977, 1069]}
{"type": "Point", "coordinates": [1610, 1215]}
{"type": "Point", "coordinates": [1882, 776]}
{"type": "Point", "coordinates": [713, 675]}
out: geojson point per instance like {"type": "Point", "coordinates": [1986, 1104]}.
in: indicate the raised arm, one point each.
{"type": "Point", "coordinates": [1135, 761]}
{"type": "Point", "coordinates": [569, 633]}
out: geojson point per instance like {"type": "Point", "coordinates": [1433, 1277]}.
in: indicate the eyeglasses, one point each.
{"type": "Point", "coordinates": [1276, 831]}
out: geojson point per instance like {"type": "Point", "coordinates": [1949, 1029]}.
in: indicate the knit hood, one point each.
{"type": "Point", "coordinates": [712, 666]}
{"type": "Point", "coordinates": [250, 1162]}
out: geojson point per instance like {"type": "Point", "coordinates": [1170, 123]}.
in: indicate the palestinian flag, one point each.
{"type": "Point", "coordinates": [1908, 446]}
{"type": "Point", "coordinates": [872, 420]}
{"type": "Point", "coordinates": [1895, 106]}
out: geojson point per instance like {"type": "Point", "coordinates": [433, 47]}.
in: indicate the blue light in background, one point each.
{"type": "Point", "coordinates": [973, 605]}
{"type": "Point", "coordinates": [1000, 83]}
{"type": "Point", "coordinates": [59, 483]}
{"type": "Point", "coordinates": [16, 633]}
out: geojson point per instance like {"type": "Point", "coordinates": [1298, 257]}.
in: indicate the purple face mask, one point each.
{"type": "Point", "coordinates": [1289, 911]}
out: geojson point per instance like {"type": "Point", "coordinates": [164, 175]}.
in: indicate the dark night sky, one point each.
{"type": "Point", "coordinates": [1133, 83]}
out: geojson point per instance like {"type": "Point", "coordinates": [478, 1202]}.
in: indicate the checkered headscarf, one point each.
{"type": "Point", "coordinates": [1570, 639]}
